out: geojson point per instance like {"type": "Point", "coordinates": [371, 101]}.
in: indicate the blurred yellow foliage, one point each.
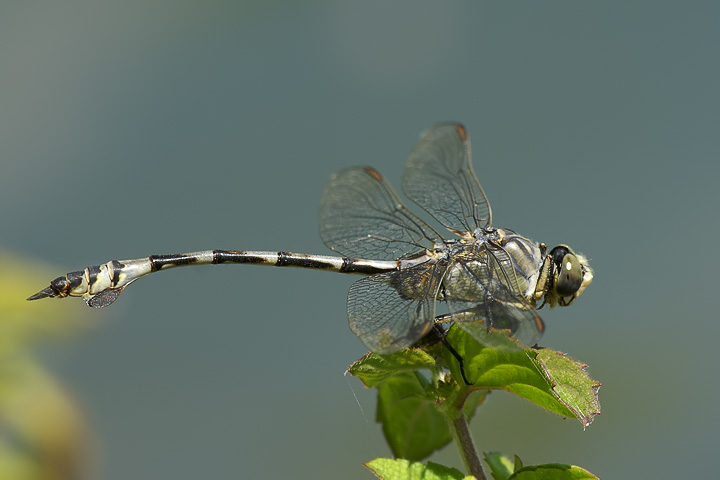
{"type": "Point", "coordinates": [42, 434]}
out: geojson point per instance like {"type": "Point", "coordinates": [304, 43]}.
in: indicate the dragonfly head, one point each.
{"type": "Point", "coordinates": [569, 276]}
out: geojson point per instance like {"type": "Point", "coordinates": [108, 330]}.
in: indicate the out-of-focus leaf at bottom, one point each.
{"type": "Point", "coordinates": [42, 434]}
{"type": "Point", "coordinates": [552, 471]}
{"type": "Point", "coordinates": [401, 469]}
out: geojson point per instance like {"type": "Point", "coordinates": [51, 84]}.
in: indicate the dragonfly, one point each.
{"type": "Point", "coordinates": [490, 279]}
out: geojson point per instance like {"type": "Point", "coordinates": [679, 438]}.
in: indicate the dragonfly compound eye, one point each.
{"type": "Point", "coordinates": [569, 275]}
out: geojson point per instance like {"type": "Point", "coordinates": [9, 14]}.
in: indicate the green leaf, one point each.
{"type": "Point", "coordinates": [400, 469]}
{"type": "Point", "coordinates": [548, 384]}
{"type": "Point", "coordinates": [501, 467]}
{"type": "Point", "coordinates": [552, 471]}
{"type": "Point", "coordinates": [412, 425]}
{"type": "Point", "coordinates": [515, 372]}
{"type": "Point", "coordinates": [374, 368]}
{"type": "Point", "coordinates": [571, 384]}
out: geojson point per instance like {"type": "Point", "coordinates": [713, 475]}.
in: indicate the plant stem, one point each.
{"type": "Point", "coordinates": [461, 433]}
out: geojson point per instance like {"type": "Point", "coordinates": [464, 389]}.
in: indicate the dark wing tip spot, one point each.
{"type": "Point", "coordinates": [373, 173]}
{"type": "Point", "coordinates": [461, 131]}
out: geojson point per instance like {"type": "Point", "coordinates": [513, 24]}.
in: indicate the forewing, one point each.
{"type": "Point", "coordinates": [439, 177]}
{"type": "Point", "coordinates": [391, 311]}
{"type": "Point", "coordinates": [483, 302]}
{"type": "Point", "coordinates": [361, 216]}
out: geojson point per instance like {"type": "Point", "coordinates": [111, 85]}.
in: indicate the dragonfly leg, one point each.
{"type": "Point", "coordinates": [442, 334]}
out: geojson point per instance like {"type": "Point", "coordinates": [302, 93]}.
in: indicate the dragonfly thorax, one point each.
{"type": "Point", "coordinates": [484, 234]}
{"type": "Point", "coordinates": [527, 259]}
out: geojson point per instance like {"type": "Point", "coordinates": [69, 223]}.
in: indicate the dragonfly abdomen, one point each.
{"type": "Point", "coordinates": [302, 260]}
{"type": "Point", "coordinates": [100, 285]}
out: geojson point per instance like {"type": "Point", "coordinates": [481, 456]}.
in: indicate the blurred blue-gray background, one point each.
{"type": "Point", "coordinates": [132, 128]}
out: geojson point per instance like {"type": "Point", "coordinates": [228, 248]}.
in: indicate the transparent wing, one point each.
{"type": "Point", "coordinates": [361, 216]}
{"type": "Point", "coordinates": [483, 300]}
{"type": "Point", "coordinates": [439, 177]}
{"type": "Point", "coordinates": [391, 311]}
